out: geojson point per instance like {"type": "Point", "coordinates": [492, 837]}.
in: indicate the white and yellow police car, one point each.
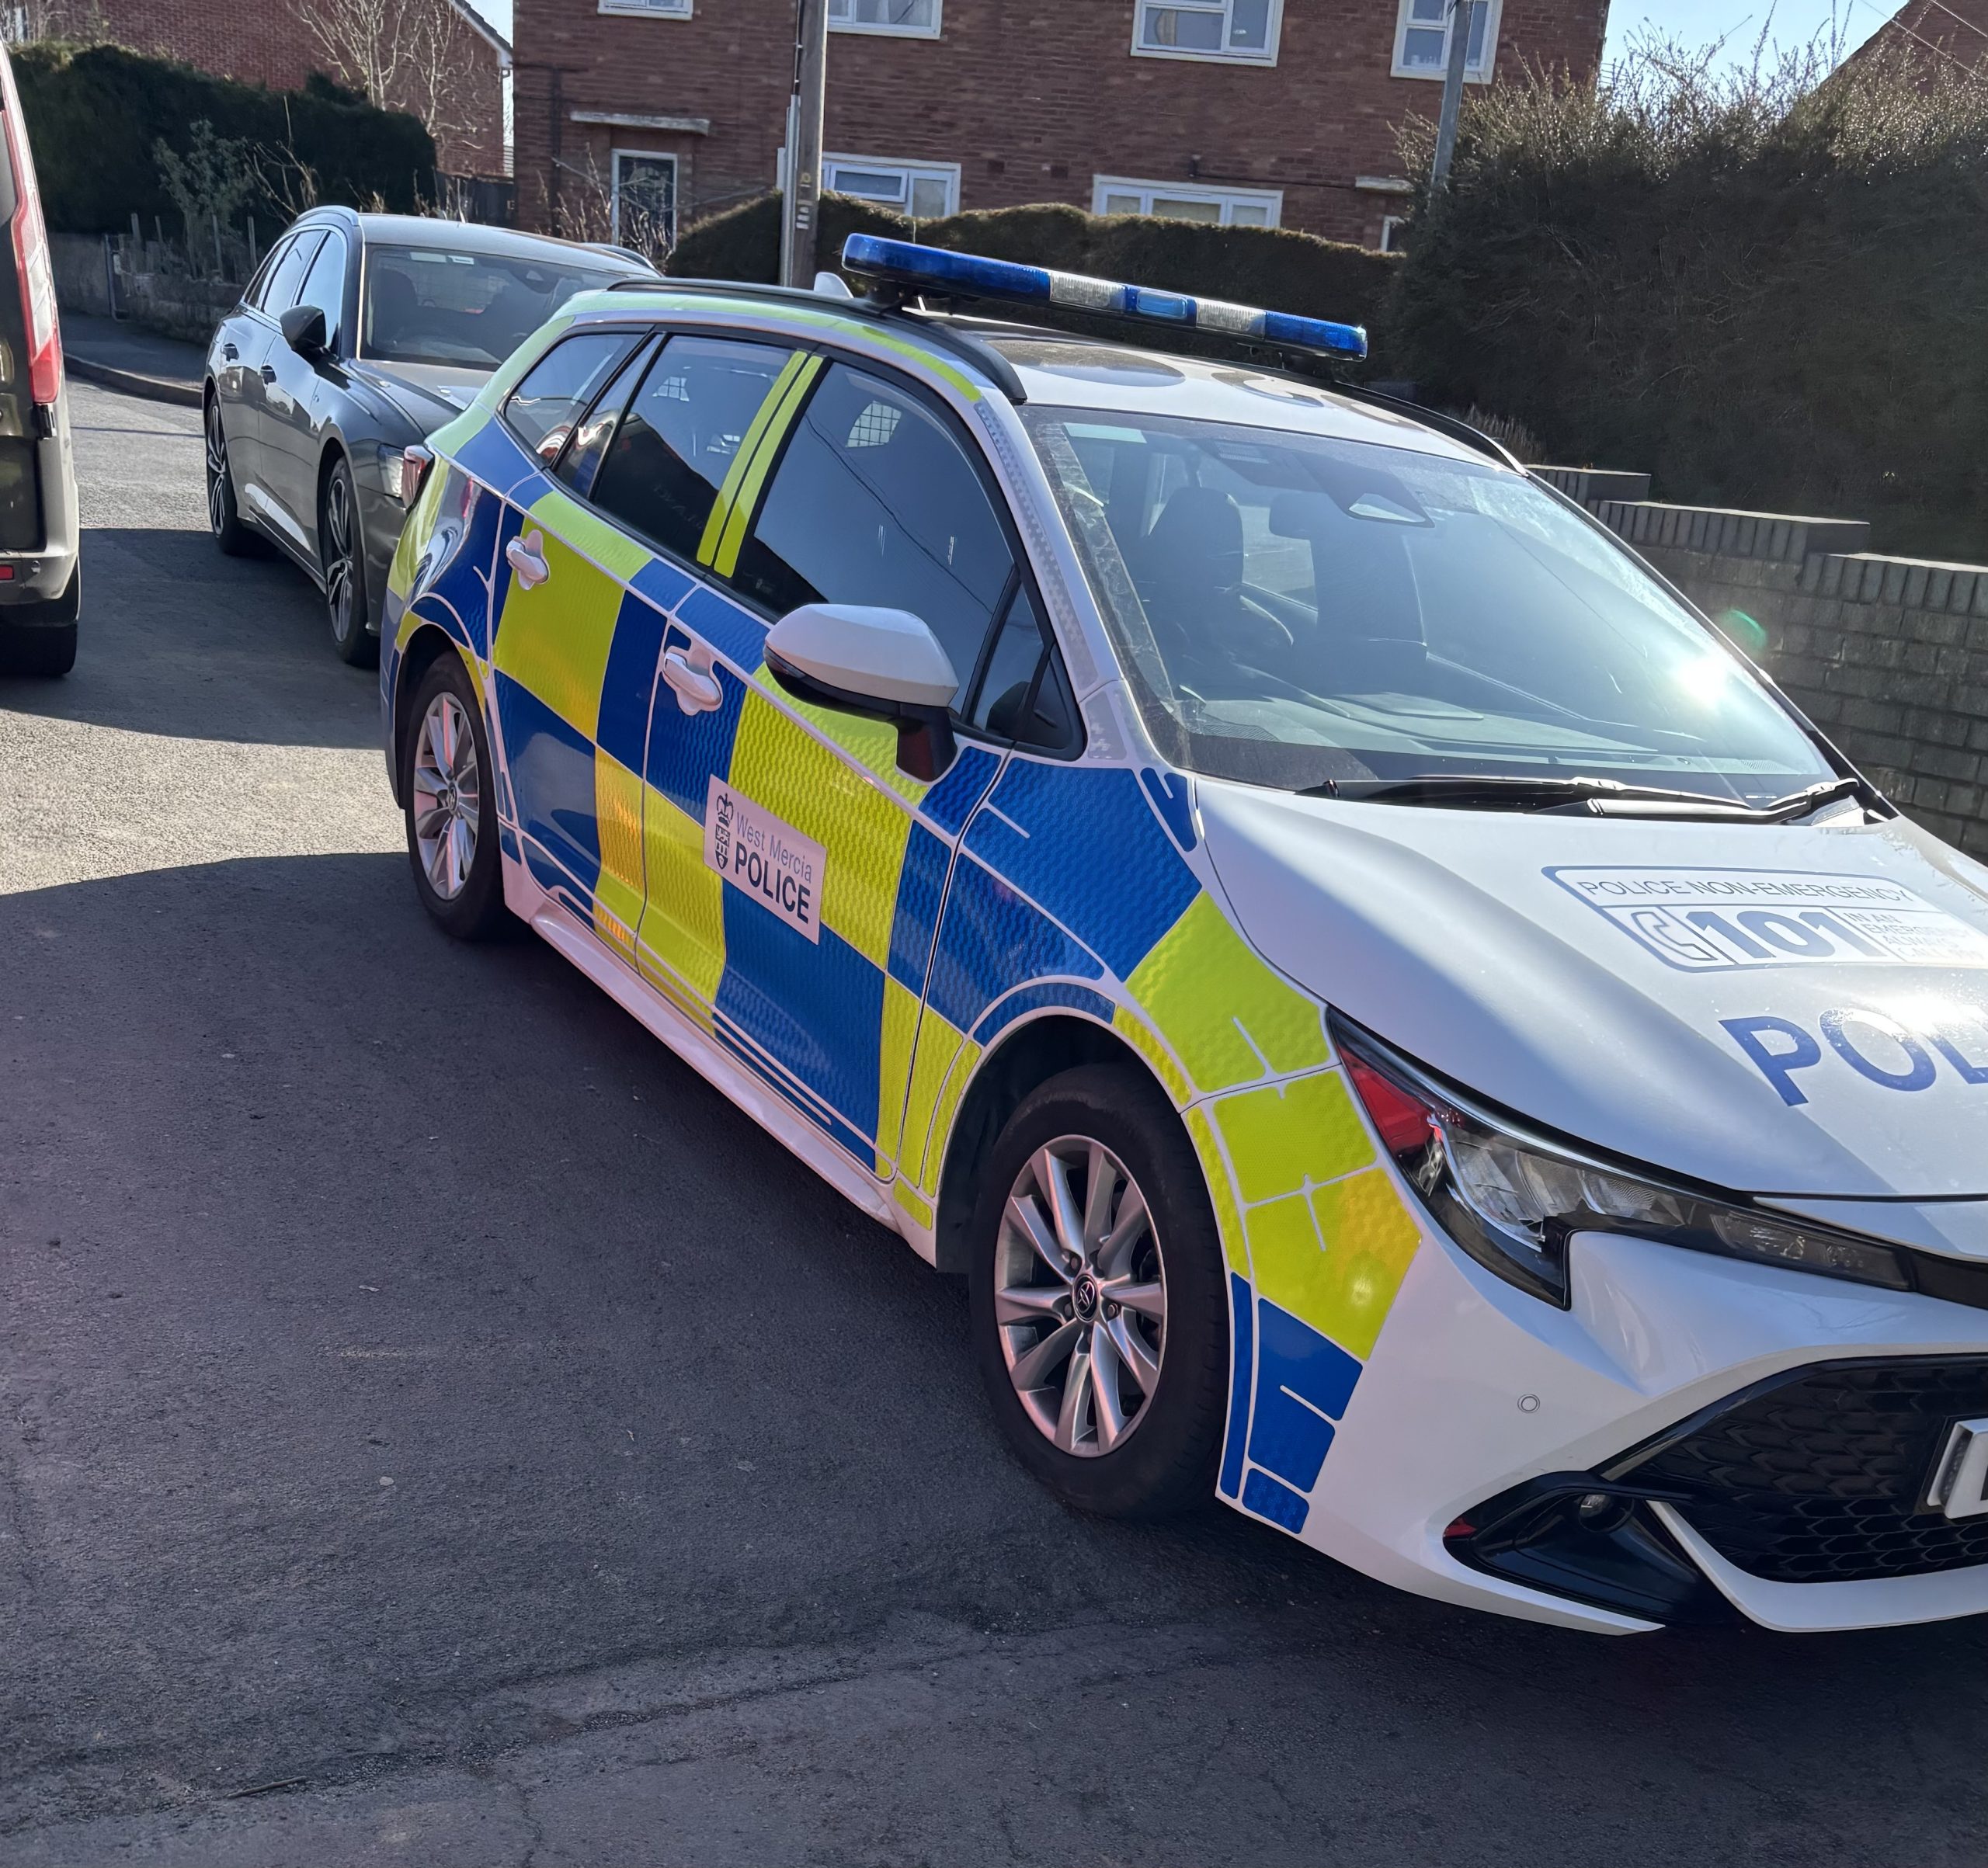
{"type": "Point", "coordinates": [1400, 1026]}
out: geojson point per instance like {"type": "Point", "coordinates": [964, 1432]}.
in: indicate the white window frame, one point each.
{"type": "Point", "coordinates": [893, 32]}
{"type": "Point", "coordinates": [947, 172]}
{"type": "Point", "coordinates": [1226, 199]}
{"type": "Point", "coordinates": [648, 9]}
{"type": "Point", "coordinates": [1480, 75]}
{"type": "Point", "coordinates": [1390, 225]}
{"type": "Point", "coordinates": [614, 187]}
{"type": "Point", "coordinates": [1272, 32]}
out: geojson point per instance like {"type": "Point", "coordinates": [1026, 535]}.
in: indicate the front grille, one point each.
{"type": "Point", "coordinates": [1818, 1476]}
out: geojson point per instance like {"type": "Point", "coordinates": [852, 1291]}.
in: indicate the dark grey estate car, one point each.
{"type": "Point", "coordinates": [359, 334]}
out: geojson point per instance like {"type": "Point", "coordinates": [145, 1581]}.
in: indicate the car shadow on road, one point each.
{"type": "Point", "coordinates": [175, 639]}
{"type": "Point", "coordinates": [388, 1323]}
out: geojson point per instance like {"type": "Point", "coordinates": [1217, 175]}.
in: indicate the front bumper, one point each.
{"type": "Point", "coordinates": [1801, 1510]}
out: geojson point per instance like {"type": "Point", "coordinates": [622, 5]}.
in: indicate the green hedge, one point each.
{"type": "Point", "coordinates": [1288, 272]}
{"type": "Point", "coordinates": [1769, 295]}
{"type": "Point", "coordinates": [94, 113]}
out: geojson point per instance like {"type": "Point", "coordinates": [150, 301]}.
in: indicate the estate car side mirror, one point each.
{"type": "Point", "coordinates": [882, 664]}
{"type": "Point", "coordinates": [303, 330]}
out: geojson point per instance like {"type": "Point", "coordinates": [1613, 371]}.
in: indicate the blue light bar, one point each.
{"type": "Point", "coordinates": [934, 269]}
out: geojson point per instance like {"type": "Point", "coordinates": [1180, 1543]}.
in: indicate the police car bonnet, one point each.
{"type": "Point", "coordinates": [1773, 1010]}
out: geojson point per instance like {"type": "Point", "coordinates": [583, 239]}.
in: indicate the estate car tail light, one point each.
{"type": "Point", "coordinates": [33, 263]}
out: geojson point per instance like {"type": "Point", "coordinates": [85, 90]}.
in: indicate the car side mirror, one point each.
{"type": "Point", "coordinates": [881, 664]}
{"type": "Point", "coordinates": [303, 330]}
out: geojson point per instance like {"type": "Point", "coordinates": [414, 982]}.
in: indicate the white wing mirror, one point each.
{"type": "Point", "coordinates": [884, 664]}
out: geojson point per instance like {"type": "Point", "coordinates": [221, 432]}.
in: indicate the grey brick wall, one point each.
{"type": "Point", "coordinates": [1889, 656]}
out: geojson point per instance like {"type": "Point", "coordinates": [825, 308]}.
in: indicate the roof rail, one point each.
{"type": "Point", "coordinates": [984, 357]}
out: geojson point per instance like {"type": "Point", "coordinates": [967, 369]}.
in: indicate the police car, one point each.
{"type": "Point", "coordinates": [1401, 1027]}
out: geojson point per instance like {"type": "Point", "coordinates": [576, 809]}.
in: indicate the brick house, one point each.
{"type": "Point", "coordinates": [1271, 113]}
{"type": "Point", "coordinates": [270, 42]}
{"type": "Point", "coordinates": [1934, 32]}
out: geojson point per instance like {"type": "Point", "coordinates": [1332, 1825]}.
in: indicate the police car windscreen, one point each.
{"type": "Point", "coordinates": [1293, 608]}
{"type": "Point", "coordinates": [427, 305]}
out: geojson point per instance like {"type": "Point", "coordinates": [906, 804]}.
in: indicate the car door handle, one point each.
{"type": "Point", "coordinates": [230, 353]}
{"type": "Point", "coordinates": [269, 372]}
{"type": "Point", "coordinates": [527, 556]}
{"type": "Point", "coordinates": [697, 689]}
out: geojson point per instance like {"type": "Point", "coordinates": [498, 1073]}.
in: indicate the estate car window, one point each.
{"type": "Point", "coordinates": [432, 304]}
{"type": "Point", "coordinates": [545, 404]}
{"type": "Point", "coordinates": [1294, 608]}
{"type": "Point", "coordinates": [280, 293]}
{"type": "Point", "coordinates": [259, 286]}
{"type": "Point", "coordinates": [324, 286]}
{"type": "Point", "coordinates": [662, 473]}
{"type": "Point", "coordinates": [875, 502]}
{"type": "Point", "coordinates": [588, 446]}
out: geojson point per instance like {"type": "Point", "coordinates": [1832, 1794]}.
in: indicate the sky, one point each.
{"type": "Point", "coordinates": [1788, 22]}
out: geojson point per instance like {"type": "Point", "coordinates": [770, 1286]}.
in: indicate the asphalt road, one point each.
{"type": "Point", "coordinates": [435, 1427]}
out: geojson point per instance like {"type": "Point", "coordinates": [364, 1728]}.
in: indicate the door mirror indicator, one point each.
{"type": "Point", "coordinates": [882, 664]}
{"type": "Point", "coordinates": [303, 330]}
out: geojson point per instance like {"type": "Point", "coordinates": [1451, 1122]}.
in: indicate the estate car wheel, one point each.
{"type": "Point", "coordinates": [451, 809]}
{"type": "Point", "coordinates": [1101, 1319]}
{"type": "Point", "coordinates": [343, 554]}
{"type": "Point", "coordinates": [224, 516]}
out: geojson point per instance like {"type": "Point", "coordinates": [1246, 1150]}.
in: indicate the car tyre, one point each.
{"type": "Point", "coordinates": [40, 638]}
{"type": "Point", "coordinates": [342, 548]}
{"type": "Point", "coordinates": [448, 782]}
{"type": "Point", "coordinates": [231, 531]}
{"type": "Point", "coordinates": [1077, 1292]}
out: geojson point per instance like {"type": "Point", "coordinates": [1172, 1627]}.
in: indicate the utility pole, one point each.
{"type": "Point", "coordinates": [1463, 17]}
{"type": "Point", "coordinates": [804, 143]}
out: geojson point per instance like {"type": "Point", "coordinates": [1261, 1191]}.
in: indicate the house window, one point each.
{"type": "Point", "coordinates": [667, 9]}
{"type": "Point", "coordinates": [924, 191]}
{"type": "Point", "coordinates": [1391, 233]}
{"type": "Point", "coordinates": [1170, 201]}
{"type": "Point", "coordinates": [645, 201]}
{"type": "Point", "coordinates": [1246, 30]}
{"type": "Point", "coordinates": [1422, 38]}
{"type": "Point", "coordinates": [906, 19]}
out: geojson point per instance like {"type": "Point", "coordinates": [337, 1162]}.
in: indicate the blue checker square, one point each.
{"type": "Point", "coordinates": [629, 684]}
{"type": "Point", "coordinates": [730, 628]}
{"type": "Point", "coordinates": [493, 456]}
{"type": "Point", "coordinates": [551, 765]}
{"type": "Point", "coordinates": [1084, 842]}
{"type": "Point", "coordinates": [921, 889]}
{"type": "Point", "coordinates": [662, 583]}
{"type": "Point", "coordinates": [1264, 1496]}
{"type": "Point", "coordinates": [991, 942]}
{"type": "Point", "coordinates": [817, 1010]}
{"type": "Point", "coordinates": [949, 803]}
{"type": "Point", "coordinates": [1301, 1375]}
{"type": "Point", "coordinates": [1026, 999]}
{"type": "Point", "coordinates": [1241, 1362]}
{"type": "Point", "coordinates": [685, 751]}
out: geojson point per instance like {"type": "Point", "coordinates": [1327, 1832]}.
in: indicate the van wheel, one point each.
{"type": "Point", "coordinates": [451, 812]}
{"type": "Point", "coordinates": [1099, 1313]}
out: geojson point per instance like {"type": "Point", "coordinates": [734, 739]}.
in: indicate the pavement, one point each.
{"type": "Point", "coordinates": [436, 1428]}
{"type": "Point", "coordinates": [114, 353]}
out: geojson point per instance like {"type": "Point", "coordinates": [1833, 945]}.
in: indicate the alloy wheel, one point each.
{"type": "Point", "coordinates": [217, 470]}
{"type": "Point", "coordinates": [447, 796]}
{"type": "Point", "coordinates": [341, 570]}
{"type": "Point", "coordinates": [1080, 1296]}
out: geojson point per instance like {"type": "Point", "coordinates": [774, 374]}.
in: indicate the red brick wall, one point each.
{"type": "Point", "coordinates": [1031, 97]}
{"type": "Point", "coordinates": [265, 43]}
{"type": "Point", "coordinates": [1937, 30]}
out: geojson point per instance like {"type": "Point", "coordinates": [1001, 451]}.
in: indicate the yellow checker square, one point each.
{"type": "Point", "coordinates": [1230, 1018]}
{"type": "Point", "coordinates": [1227, 1215]}
{"type": "Point", "coordinates": [556, 637]}
{"type": "Point", "coordinates": [608, 546]}
{"type": "Point", "coordinates": [683, 924]}
{"type": "Point", "coordinates": [1282, 1136]}
{"type": "Point", "coordinates": [964, 1059]}
{"type": "Point", "coordinates": [938, 1045]}
{"type": "Point", "coordinates": [1370, 1239]}
{"type": "Point", "coordinates": [783, 768]}
{"type": "Point", "coordinates": [1135, 1031]}
{"type": "Point", "coordinates": [915, 1204]}
{"type": "Point", "coordinates": [897, 1042]}
{"type": "Point", "coordinates": [618, 812]}
{"type": "Point", "coordinates": [1285, 1251]}
{"type": "Point", "coordinates": [872, 744]}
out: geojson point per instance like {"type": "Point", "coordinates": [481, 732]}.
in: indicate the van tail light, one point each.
{"type": "Point", "coordinates": [33, 263]}
{"type": "Point", "coordinates": [415, 462]}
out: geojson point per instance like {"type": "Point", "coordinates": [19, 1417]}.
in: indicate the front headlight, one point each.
{"type": "Point", "coordinates": [390, 471]}
{"type": "Point", "coordinates": [1513, 1199]}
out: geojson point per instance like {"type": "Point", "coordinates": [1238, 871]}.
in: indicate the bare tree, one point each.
{"type": "Point", "coordinates": [419, 56]}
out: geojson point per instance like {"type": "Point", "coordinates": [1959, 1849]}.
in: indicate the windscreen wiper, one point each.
{"type": "Point", "coordinates": [1586, 795]}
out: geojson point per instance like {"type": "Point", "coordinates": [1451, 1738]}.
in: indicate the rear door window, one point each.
{"type": "Point", "coordinates": [590, 435]}
{"type": "Point", "coordinates": [324, 287]}
{"type": "Point", "coordinates": [685, 438]}
{"type": "Point", "coordinates": [875, 502]}
{"type": "Point", "coordinates": [556, 389]}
